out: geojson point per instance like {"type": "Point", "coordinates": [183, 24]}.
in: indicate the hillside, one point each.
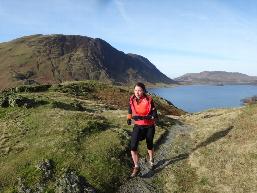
{"type": "Point", "coordinates": [69, 137]}
{"type": "Point", "coordinates": [47, 59]}
{"type": "Point", "coordinates": [73, 137]}
{"type": "Point", "coordinates": [217, 77]}
{"type": "Point", "coordinates": [215, 152]}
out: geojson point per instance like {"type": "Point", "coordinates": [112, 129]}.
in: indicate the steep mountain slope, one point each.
{"type": "Point", "coordinates": [57, 58]}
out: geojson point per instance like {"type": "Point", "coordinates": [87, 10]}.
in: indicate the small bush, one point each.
{"type": "Point", "coordinates": [94, 126]}
{"type": "Point", "coordinates": [22, 76]}
{"type": "Point", "coordinates": [250, 100]}
{"type": "Point", "coordinates": [14, 100]}
{"type": "Point", "coordinates": [74, 89]}
{"type": "Point", "coordinates": [75, 106]}
{"type": "Point", "coordinates": [29, 88]}
{"type": "Point", "coordinates": [4, 100]}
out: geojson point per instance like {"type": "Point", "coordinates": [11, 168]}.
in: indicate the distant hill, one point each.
{"type": "Point", "coordinates": [217, 77]}
{"type": "Point", "coordinates": [41, 59]}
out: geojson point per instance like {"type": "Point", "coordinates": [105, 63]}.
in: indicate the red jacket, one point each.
{"type": "Point", "coordinates": [141, 107]}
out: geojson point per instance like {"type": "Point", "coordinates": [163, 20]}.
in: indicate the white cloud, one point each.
{"type": "Point", "coordinates": [120, 4]}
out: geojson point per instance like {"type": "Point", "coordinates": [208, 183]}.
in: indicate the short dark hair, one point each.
{"type": "Point", "coordinates": [141, 85]}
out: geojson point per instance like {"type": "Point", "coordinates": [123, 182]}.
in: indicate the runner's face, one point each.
{"type": "Point", "coordinates": [138, 91]}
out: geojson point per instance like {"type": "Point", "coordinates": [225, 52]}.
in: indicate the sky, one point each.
{"type": "Point", "coordinates": [177, 36]}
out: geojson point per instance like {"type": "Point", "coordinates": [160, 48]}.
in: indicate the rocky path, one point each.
{"type": "Point", "coordinates": [163, 157]}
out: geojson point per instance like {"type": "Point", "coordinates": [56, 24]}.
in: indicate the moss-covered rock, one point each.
{"type": "Point", "coordinates": [71, 182]}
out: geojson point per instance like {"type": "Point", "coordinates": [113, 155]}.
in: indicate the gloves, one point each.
{"type": "Point", "coordinates": [148, 117]}
{"type": "Point", "coordinates": [154, 114]}
{"type": "Point", "coordinates": [136, 118]}
{"type": "Point", "coordinates": [129, 121]}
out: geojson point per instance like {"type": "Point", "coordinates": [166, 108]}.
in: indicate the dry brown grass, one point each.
{"type": "Point", "coordinates": [225, 155]}
{"type": "Point", "coordinates": [222, 153]}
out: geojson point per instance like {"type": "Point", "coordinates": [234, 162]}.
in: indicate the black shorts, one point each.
{"type": "Point", "coordinates": [141, 132]}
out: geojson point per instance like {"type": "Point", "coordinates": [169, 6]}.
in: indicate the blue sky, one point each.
{"type": "Point", "coordinates": [177, 36]}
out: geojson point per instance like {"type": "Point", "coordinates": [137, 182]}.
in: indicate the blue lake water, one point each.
{"type": "Point", "coordinates": [194, 98]}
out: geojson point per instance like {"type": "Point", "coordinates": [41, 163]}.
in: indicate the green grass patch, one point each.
{"type": "Point", "coordinates": [75, 128]}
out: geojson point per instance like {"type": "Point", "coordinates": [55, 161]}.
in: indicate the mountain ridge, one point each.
{"type": "Point", "coordinates": [216, 77]}
{"type": "Point", "coordinates": [43, 59]}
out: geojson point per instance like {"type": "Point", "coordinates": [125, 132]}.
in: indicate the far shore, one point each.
{"type": "Point", "coordinates": [160, 85]}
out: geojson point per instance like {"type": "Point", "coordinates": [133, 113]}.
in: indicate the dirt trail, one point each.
{"type": "Point", "coordinates": [163, 157]}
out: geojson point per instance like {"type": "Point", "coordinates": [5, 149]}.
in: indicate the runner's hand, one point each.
{"type": "Point", "coordinates": [129, 121]}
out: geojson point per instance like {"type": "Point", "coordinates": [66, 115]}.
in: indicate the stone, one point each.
{"type": "Point", "coordinates": [70, 182]}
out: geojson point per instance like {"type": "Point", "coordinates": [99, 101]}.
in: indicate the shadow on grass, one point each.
{"type": "Point", "coordinates": [70, 106]}
{"type": "Point", "coordinates": [214, 137]}
{"type": "Point", "coordinates": [165, 162]}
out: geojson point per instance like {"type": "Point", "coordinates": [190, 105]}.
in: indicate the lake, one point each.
{"type": "Point", "coordinates": [194, 98]}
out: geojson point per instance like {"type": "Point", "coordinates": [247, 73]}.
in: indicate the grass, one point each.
{"type": "Point", "coordinates": [76, 127]}
{"type": "Point", "coordinates": [222, 153]}
{"type": "Point", "coordinates": [63, 137]}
